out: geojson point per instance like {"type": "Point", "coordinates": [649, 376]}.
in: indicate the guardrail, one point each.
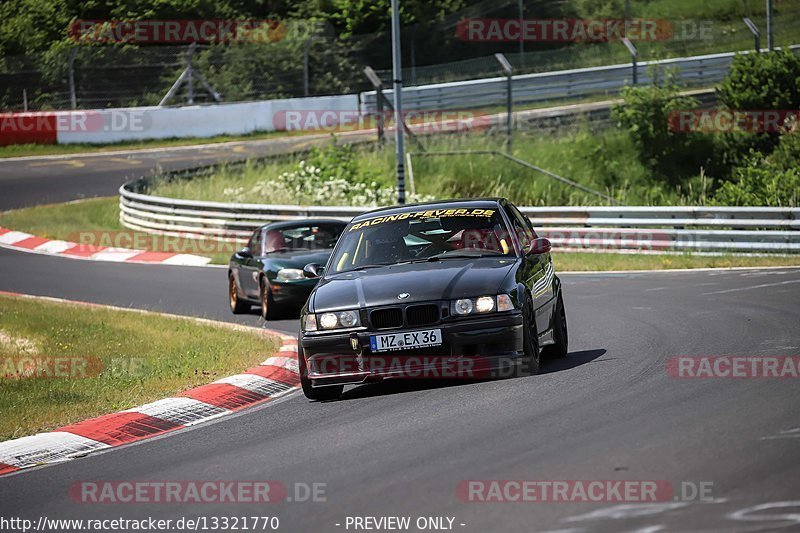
{"type": "Point", "coordinates": [699, 229]}
{"type": "Point", "coordinates": [692, 71]}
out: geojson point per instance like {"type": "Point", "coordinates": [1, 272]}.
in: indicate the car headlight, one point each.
{"type": "Point", "coordinates": [463, 306]}
{"type": "Point", "coordinates": [286, 274]}
{"type": "Point", "coordinates": [333, 320]}
{"type": "Point", "coordinates": [482, 304]}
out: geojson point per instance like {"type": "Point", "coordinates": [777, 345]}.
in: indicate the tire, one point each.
{"type": "Point", "coordinates": [322, 394]}
{"type": "Point", "coordinates": [560, 349]}
{"type": "Point", "coordinates": [237, 306]}
{"type": "Point", "coordinates": [269, 309]}
{"type": "Point", "coordinates": [530, 342]}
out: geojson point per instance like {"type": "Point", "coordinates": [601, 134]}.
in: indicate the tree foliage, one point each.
{"type": "Point", "coordinates": [646, 115]}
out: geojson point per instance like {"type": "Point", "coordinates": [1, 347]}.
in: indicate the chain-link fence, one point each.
{"type": "Point", "coordinates": [690, 38]}
{"type": "Point", "coordinates": [135, 76]}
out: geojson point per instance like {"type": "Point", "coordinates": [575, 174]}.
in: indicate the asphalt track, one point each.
{"type": "Point", "coordinates": [31, 181]}
{"type": "Point", "coordinates": [609, 411]}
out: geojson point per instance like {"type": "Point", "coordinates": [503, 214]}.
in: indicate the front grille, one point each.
{"type": "Point", "coordinates": [422, 315]}
{"type": "Point", "coordinates": [391, 317]}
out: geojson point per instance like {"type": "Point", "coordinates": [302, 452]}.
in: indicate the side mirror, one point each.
{"type": "Point", "coordinates": [313, 270]}
{"type": "Point", "coordinates": [539, 246]}
{"type": "Point", "coordinates": [245, 252]}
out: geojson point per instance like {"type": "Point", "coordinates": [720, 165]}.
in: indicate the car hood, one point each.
{"type": "Point", "coordinates": [438, 280]}
{"type": "Point", "coordinates": [298, 258]}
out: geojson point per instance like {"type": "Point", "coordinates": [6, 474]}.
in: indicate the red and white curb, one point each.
{"type": "Point", "coordinates": [30, 243]}
{"type": "Point", "coordinates": [273, 378]}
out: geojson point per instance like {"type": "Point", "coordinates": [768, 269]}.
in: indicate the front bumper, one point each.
{"type": "Point", "coordinates": [472, 348]}
{"type": "Point", "coordinates": [293, 291]}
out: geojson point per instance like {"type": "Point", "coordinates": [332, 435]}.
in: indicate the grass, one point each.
{"type": "Point", "coordinates": [61, 221]}
{"type": "Point", "coordinates": [122, 359]}
{"type": "Point", "coordinates": [604, 161]}
{"type": "Point", "coordinates": [95, 221]}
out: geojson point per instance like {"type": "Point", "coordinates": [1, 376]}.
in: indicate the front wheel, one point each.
{"type": "Point", "coordinates": [269, 309]}
{"type": "Point", "coordinates": [321, 394]}
{"type": "Point", "coordinates": [530, 341]}
{"type": "Point", "coordinates": [237, 305]}
{"type": "Point", "coordinates": [561, 347]}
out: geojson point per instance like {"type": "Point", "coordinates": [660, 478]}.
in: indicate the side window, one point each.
{"type": "Point", "coordinates": [255, 242]}
{"type": "Point", "coordinates": [521, 225]}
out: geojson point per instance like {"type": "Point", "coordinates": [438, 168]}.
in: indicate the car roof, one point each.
{"type": "Point", "coordinates": [438, 204]}
{"type": "Point", "coordinates": [302, 223]}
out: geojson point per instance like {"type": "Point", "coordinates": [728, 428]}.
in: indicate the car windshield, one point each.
{"type": "Point", "coordinates": [310, 237]}
{"type": "Point", "coordinates": [426, 235]}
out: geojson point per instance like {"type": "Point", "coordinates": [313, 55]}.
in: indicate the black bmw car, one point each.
{"type": "Point", "coordinates": [453, 288]}
{"type": "Point", "coordinates": [269, 271]}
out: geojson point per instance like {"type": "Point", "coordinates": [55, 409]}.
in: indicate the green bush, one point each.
{"type": "Point", "coordinates": [772, 180]}
{"type": "Point", "coordinates": [769, 80]}
{"type": "Point", "coordinates": [761, 186]}
{"type": "Point", "coordinates": [646, 115]}
{"type": "Point", "coordinates": [765, 81]}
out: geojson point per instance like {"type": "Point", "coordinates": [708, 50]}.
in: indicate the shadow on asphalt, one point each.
{"type": "Point", "coordinates": [574, 359]}
{"type": "Point", "coordinates": [399, 386]}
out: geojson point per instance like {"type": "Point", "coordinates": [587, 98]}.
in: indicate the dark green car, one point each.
{"type": "Point", "coordinates": [269, 271]}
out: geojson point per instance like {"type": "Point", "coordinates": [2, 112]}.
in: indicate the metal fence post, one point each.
{"type": "Point", "coordinates": [634, 53]}
{"type": "Point", "coordinates": [73, 99]}
{"type": "Point", "coordinates": [755, 31]}
{"type": "Point", "coordinates": [770, 29]}
{"type": "Point", "coordinates": [306, 50]}
{"type": "Point", "coordinates": [379, 109]}
{"type": "Point", "coordinates": [376, 82]}
{"type": "Point", "coordinates": [397, 90]}
{"type": "Point", "coordinates": [521, 10]}
{"type": "Point", "coordinates": [509, 98]}
{"type": "Point", "coordinates": [189, 77]}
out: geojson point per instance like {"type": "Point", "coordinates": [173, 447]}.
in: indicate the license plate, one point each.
{"type": "Point", "coordinates": [406, 340]}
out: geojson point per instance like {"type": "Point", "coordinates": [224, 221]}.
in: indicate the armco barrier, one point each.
{"type": "Point", "coordinates": [695, 71]}
{"type": "Point", "coordinates": [704, 229]}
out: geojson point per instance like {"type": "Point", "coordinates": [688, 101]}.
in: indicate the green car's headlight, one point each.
{"type": "Point", "coordinates": [286, 274]}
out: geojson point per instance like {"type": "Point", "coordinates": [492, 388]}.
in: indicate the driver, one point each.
{"type": "Point", "coordinates": [386, 243]}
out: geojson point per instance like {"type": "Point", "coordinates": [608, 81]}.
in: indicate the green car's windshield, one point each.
{"type": "Point", "coordinates": [312, 237]}
{"type": "Point", "coordinates": [427, 235]}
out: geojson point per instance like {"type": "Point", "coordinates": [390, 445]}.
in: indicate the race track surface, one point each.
{"type": "Point", "coordinates": [608, 411]}
{"type": "Point", "coordinates": [50, 179]}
